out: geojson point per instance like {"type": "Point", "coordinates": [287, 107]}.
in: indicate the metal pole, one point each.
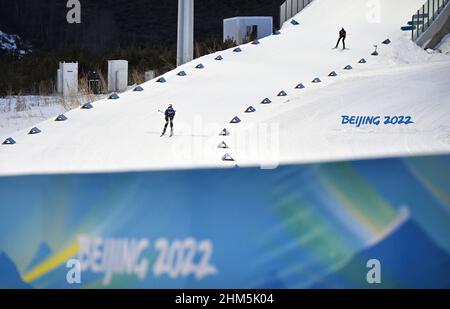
{"type": "Point", "coordinates": [286, 16]}
{"type": "Point", "coordinates": [292, 9]}
{"type": "Point", "coordinates": [432, 9]}
{"type": "Point", "coordinates": [422, 19]}
{"type": "Point", "coordinates": [185, 45]}
{"type": "Point", "coordinates": [418, 24]}
{"type": "Point", "coordinates": [286, 11]}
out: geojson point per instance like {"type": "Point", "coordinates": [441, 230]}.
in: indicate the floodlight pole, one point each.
{"type": "Point", "coordinates": [185, 46]}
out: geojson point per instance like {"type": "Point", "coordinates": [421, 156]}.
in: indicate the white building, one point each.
{"type": "Point", "coordinates": [67, 78]}
{"type": "Point", "coordinates": [245, 28]}
{"type": "Point", "coordinates": [117, 75]}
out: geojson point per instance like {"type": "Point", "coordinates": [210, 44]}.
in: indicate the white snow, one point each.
{"type": "Point", "coordinates": [124, 134]}
{"type": "Point", "coordinates": [311, 124]}
{"type": "Point", "coordinates": [21, 112]}
{"type": "Point", "coordinates": [444, 45]}
{"type": "Point", "coordinates": [18, 113]}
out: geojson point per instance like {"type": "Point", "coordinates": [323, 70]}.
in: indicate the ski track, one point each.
{"type": "Point", "coordinates": [123, 135]}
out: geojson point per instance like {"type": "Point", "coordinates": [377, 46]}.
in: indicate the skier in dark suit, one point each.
{"type": "Point", "coordinates": [169, 116]}
{"type": "Point", "coordinates": [342, 36]}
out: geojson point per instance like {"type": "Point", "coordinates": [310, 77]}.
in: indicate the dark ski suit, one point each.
{"type": "Point", "coordinates": [342, 36]}
{"type": "Point", "coordinates": [170, 115]}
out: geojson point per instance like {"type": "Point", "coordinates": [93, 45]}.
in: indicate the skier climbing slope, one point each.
{"type": "Point", "coordinates": [342, 36]}
{"type": "Point", "coordinates": [410, 82]}
{"type": "Point", "coordinates": [169, 116]}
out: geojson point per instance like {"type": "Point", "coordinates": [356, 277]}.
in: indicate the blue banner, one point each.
{"type": "Point", "coordinates": [363, 224]}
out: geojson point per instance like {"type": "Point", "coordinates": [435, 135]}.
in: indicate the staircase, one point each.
{"type": "Point", "coordinates": [425, 17]}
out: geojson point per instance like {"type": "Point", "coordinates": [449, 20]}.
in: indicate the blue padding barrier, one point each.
{"type": "Point", "coordinates": [297, 226]}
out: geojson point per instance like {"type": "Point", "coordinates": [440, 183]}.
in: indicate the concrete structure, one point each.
{"type": "Point", "coordinates": [243, 29]}
{"type": "Point", "coordinates": [185, 45]}
{"type": "Point", "coordinates": [67, 78]}
{"type": "Point", "coordinates": [117, 75]}
{"type": "Point", "coordinates": [290, 8]}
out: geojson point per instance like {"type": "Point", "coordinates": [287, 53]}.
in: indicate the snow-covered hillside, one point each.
{"type": "Point", "coordinates": [18, 113]}
{"type": "Point", "coordinates": [21, 112]}
{"type": "Point", "coordinates": [304, 126]}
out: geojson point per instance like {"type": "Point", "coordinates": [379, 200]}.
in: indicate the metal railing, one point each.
{"type": "Point", "coordinates": [291, 7]}
{"type": "Point", "coordinates": [425, 16]}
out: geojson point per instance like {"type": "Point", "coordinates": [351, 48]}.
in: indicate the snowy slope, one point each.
{"type": "Point", "coordinates": [124, 134]}
{"type": "Point", "coordinates": [20, 112]}
{"type": "Point", "coordinates": [311, 129]}
{"type": "Point", "coordinates": [444, 45]}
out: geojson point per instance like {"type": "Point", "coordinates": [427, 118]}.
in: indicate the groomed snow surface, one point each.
{"type": "Point", "coordinates": [444, 45]}
{"type": "Point", "coordinates": [303, 126]}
